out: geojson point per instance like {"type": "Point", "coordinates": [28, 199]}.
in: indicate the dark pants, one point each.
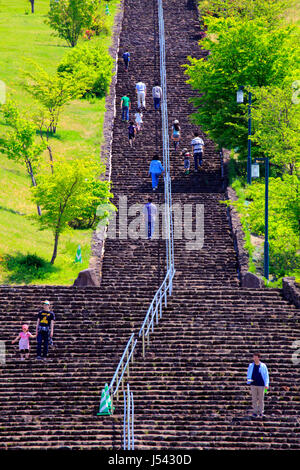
{"type": "Point", "coordinates": [156, 103]}
{"type": "Point", "coordinates": [198, 158]}
{"type": "Point", "coordinates": [126, 62]}
{"type": "Point", "coordinates": [125, 113]}
{"type": "Point", "coordinates": [42, 338]}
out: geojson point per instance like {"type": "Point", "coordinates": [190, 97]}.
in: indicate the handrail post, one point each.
{"type": "Point", "coordinates": [117, 388]}
{"type": "Point", "coordinates": [128, 417]}
{"type": "Point", "coordinates": [132, 353]}
{"type": "Point", "coordinates": [124, 423]}
{"type": "Point", "coordinates": [143, 343]}
{"type": "Point", "coordinates": [132, 422]}
{"type": "Point", "coordinates": [127, 365]}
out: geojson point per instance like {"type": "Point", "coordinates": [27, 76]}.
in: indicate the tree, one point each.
{"type": "Point", "coordinates": [52, 91]}
{"type": "Point", "coordinates": [20, 143]}
{"type": "Point", "coordinates": [276, 120]}
{"type": "Point", "coordinates": [272, 11]}
{"type": "Point", "coordinates": [91, 65]}
{"type": "Point", "coordinates": [284, 216]}
{"type": "Point", "coordinates": [66, 194]}
{"type": "Point", "coordinates": [70, 17]}
{"type": "Point", "coordinates": [241, 53]}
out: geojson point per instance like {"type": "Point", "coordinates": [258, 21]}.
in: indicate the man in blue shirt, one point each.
{"type": "Point", "coordinates": [155, 170]}
{"type": "Point", "coordinates": [258, 378]}
{"type": "Point", "coordinates": [126, 58]}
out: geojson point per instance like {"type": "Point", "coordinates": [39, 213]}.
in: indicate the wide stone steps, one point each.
{"type": "Point", "coordinates": [190, 390]}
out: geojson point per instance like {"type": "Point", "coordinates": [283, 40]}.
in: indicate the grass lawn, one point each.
{"type": "Point", "coordinates": [26, 36]}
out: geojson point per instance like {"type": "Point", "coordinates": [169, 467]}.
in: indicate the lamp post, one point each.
{"type": "Point", "coordinates": [266, 244]}
{"type": "Point", "coordinates": [239, 100]}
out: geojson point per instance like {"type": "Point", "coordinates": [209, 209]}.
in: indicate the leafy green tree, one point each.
{"type": "Point", "coordinates": [241, 53]}
{"type": "Point", "coordinates": [69, 18]}
{"type": "Point", "coordinates": [20, 143]}
{"type": "Point", "coordinates": [67, 193]}
{"type": "Point", "coordinates": [272, 11]}
{"type": "Point", "coordinates": [91, 65]}
{"type": "Point", "coordinates": [284, 216]}
{"type": "Point", "coordinates": [53, 92]}
{"type": "Point", "coordinates": [276, 120]}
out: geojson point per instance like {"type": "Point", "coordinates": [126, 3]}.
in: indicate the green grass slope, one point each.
{"type": "Point", "coordinates": [26, 36]}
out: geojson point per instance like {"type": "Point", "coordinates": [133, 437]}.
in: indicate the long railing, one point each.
{"type": "Point", "coordinates": [122, 368]}
{"type": "Point", "coordinates": [128, 424]}
{"type": "Point", "coordinates": [155, 309]}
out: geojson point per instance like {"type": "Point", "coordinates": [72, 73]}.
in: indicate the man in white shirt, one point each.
{"type": "Point", "coordinates": [157, 95]}
{"type": "Point", "coordinates": [149, 211]}
{"type": "Point", "coordinates": [198, 149]}
{"type": "Point", "coordinates": [141, 94]}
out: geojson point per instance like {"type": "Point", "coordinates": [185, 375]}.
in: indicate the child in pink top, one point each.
{"type": "Point", "coordinates": [23, 338]}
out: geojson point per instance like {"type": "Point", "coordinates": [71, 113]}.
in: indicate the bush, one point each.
{"type": "Point", "coordinates": [91, 65]}
{"type": "Point", "coordinates": [25, 268]}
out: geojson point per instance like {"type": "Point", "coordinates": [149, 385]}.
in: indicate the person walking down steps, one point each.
{"type": "Point", "coordinates": [155, 170]}
{"type": "Point", "coordinates": [141, 90]}
{"type": "Point", "coordinates": [23, 338]}
{"type": "Point", "coordinates": [258, 378]}
{"type": "Point", "coordinates": [150, 212]}
{"type": "Point", "coordinates": [126, 58]}
{"type": "Point", "coordinates": [198, 150]}
{"type": "Point", "coordinates": [44, 330]}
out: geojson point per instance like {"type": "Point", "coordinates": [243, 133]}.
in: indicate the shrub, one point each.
{"type": "Point", "coordinates": [25, 268]}
{"type": "Point", "coordinates": [91, 65]}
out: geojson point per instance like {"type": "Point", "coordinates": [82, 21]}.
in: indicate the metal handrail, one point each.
{"type": "Point", "coordinates": [124, 368]}
{"type": "Point", "coordinates": [129, 419]}
{"type": "Point", "coordinates": [167, 284]}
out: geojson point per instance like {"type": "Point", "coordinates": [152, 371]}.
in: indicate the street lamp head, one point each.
{"type": "Point", "coordinates": [240, 95]}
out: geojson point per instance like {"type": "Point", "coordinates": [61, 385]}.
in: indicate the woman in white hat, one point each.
{"type": "Point", "coordinates": [176, 134]}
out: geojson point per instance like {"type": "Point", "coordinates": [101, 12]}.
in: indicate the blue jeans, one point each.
{"type": "Point", "coordinates": [155, 179]}
{"type": "Point", "coordinates": [198, 157]}
{"type": "Point", "coordinates": [156, 103]}
{"type": "Point", "coordinates": [125, 113]}
{"type": "Point", "coordinates": [42, 338]}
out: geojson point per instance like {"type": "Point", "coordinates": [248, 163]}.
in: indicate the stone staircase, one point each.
{"type": "Point", "coordinates": [190, 390]}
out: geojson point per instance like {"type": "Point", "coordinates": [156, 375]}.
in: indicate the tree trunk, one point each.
{"type": "Point", "coordinates": [30, 171]}
{"type": "Point", "coordinates": [51, 157]}
{"type": "Point", "coordinates": [55, 247]}
{"type": "Point", "coordinates": [32, 6]}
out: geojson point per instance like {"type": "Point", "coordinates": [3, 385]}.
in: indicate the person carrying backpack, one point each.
{"type": "Point", "coordinates": [157, 95]}
{"type": "Point", "coordinates": [126, 58]}
{"type": "Point", "coordinates": [176, 134]}
{"type": "Point", "coordinates": [131, 133]}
